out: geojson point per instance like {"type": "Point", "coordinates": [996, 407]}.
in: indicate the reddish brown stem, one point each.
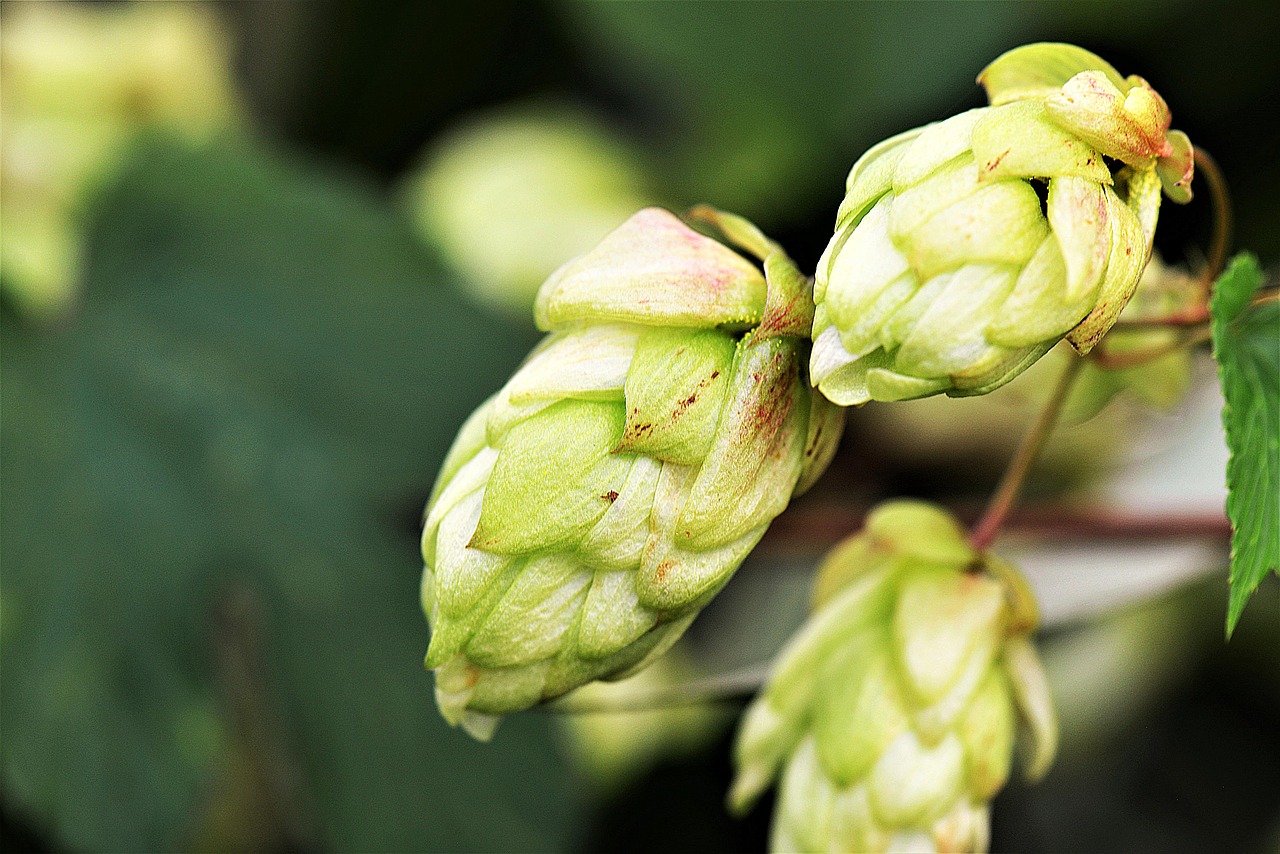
{"type": "Point", "coordinates": [1222, 219]}
{"type": "Point", "coordinates": [1118, 361]}
{"type": "Point", "coordinates": [984, 532]}
{"type": "Point", "coordinates": [816, 527]}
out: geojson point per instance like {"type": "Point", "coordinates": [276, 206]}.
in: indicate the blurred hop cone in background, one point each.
{"type": "Point", "coordinates": [891, 715]}
{"type": "Point", "coordinates": [510, 195]}
{"type": "Point", "coordinates": [966, 249]}
{"type": "Point", "coordinates": [594, 505]}
{"type": "Point", "coordinates": [77, 81]}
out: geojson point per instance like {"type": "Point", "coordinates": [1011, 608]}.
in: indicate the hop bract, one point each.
{"type": "Point", "coordinates": [591, 507]}
{"type": "Point", "coordinates": [964, 250]}
{"type": "Point", "coordinates": [891, 715]}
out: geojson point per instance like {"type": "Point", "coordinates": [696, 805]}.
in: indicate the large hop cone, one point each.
{"type": "Point", "coordinates": [891, 715]}
{"type": "Point", "coordinates": [591, 507]}
{"type": "Point", "coordinates": [964, 250]}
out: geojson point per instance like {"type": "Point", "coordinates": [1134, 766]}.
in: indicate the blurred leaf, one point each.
{"type": "Point", "coordinates": [1246, 343]}
{"type": "Point", "coordinates": [249, 407]}
{"type": "Point", "coordinates": [775, 101]}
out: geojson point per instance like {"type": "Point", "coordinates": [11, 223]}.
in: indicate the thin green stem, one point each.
{"type": "Point", "coordinates": [1006, 494]}
{"type": "Point", "coordinates": [722, 687]}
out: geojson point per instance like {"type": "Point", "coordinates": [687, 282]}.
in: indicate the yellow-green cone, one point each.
{"type": "Point", "coordinates": [891, 715]}
{"type": "Point", "coordinates": [966, 249]}
{"type": "Point", "coordinates": [591, 507]}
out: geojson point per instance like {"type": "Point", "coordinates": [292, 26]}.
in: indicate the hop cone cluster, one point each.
{"type": "Point", "coordinates": [591, 507]}
{"type": "Point", "coordinates": [965, 250]}
{"type": "Point", "coordinates": [891, 715]}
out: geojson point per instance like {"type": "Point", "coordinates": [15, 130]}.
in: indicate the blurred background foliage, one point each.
{"type": "Point", "coordinates": [260, 259]}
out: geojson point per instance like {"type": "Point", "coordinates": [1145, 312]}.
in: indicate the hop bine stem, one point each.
{"type": "Point", "coordinates": [1222, 220]}
{"type": "Point", "coordinates": [1006, 494]}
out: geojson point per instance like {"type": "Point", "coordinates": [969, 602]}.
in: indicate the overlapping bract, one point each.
{"type": "Point", "coordinates": [891, 715]}
{"type": "Point", "coordinates": [965, 250]}
{"type": "Point", "coordinates": [589, 509]}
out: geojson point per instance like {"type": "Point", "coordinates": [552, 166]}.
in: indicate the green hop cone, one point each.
{"type": "Point", "coordinates": [590, 508]}
{"type": "Point", "coordinates": [964, 250]}
{"type": "Point", "coordinates": [891, 715]}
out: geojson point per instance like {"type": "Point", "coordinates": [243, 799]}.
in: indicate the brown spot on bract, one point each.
{"type": "Point", "coordinates": [715, 374]}
{"type": "Point", "coordinates": [661, 570]}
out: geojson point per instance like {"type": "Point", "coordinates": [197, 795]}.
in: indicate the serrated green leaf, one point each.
{"type": "Point", "coordinates": [1246, 343]}
{"type": "Point", "coordinates": [250, 405]}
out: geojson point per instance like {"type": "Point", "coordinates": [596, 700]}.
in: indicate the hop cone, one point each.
{"type": "Point", "coordinates": [591, 507]}
{"type": "Point", "coordinates": [966, 249]}
{"type": "Point", "coordinates": [891, 715]}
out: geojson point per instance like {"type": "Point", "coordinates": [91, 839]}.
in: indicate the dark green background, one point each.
{"type": "Point", "coordinates": [212, 472]}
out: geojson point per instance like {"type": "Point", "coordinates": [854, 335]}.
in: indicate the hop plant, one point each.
{"type": "Point", "coordinates": [891, 715]}
{"type": "Point", "coordinates": [589, 509]}
{"type": "Point", "coordinates": [964, 250]}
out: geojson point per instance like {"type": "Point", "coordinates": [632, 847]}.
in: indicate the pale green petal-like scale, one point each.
{"type": "Point", "coordinates": [1037, 309]}
{"type": "Point", "coordinates": [671, 578]}
{"type": "Point", "coordinates": [987, 732]}
{"type": "Point", "coordinates": [531, 621]}
{"type": "Point", "coordinates": [589, 364]}
{"type": "Point", "coordinates": [871, 177]}
{"type": "Point", "coordinates": [863, 336]}
{"type": "Point", "coordinates": [1106, 117]}
{"type": "Point", "coordinates": [1078, 213]}
{"type": "Point", "coordinates": [1124, 268]}
{"type": "Point", "coordinates": [561, 459]}
{"type": "Point", "coordinates": [913, 207]}
{"type": "Point", "coordinates": [941, 619]}
{"type": "Point", "coordinates": [805, 809]}
{"type": "Point", "coordinates": [884, 384]}
{"type": "Point", "coordinates": [462, 575]}
{"type": "Point", "coordinates": [949, 337]}
{"type": "Point", "coordinates": [999, 224]}
{"type": "Point", "coordinates": [655, 271]}
{"type": "Point", "coordinates": [915, 784]}
{"type": "Point", "coordinates": [861, 714]}
{"type": "Point", "coordinates": [822, 439]}
{"type": "Point", "coordinates": [612, 617]}
{"type": "Point", "coordinates": [854, 827]}
{"type": "Point", "coordinates": [757, 499]}
{"type": "Point", "coordinates": [468, 479]}
{"type": "Point", "coordinates": [499, 690]}
{"type": "Point", "coordinates": [756, 429]}
{"type": "Point", "coordinates": [863, 601]}
{"type": "Point", "coordinates": [1018, 140]}
{"type": "Point", "coordinates": [450, 634]}
{"type": "Point", "coordinates": [619, 536]}
{"type": "Point", "coordinates": [868, 263]}
{"type": "Point", "coordinates": [933, 722]}
{"type": "Point", "coordinates": [1015, 363]}
{"type": "Point", "coordinates": [675, 393]}
{"type": "Point", "coordinates": [1040, 70]}
{"type": "Point", "coordinates": [470, 441]}
{"type": "Point", "coordinates": [936, 145]}
{"type": "Point", "coordinates": [900, 324]}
